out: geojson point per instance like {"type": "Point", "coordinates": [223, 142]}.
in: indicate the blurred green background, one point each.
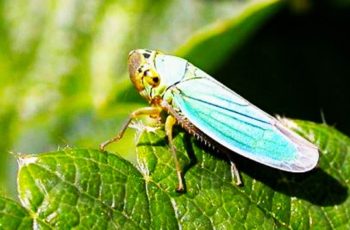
{"type": "Point", "coordinates": [63, 79]}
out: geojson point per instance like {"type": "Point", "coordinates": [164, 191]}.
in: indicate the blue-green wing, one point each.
{"type": "Point", "coordinates": [241, 127]}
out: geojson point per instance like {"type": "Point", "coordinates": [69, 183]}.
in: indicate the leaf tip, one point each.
{"type": "Point", "coordinates": [23, 160]}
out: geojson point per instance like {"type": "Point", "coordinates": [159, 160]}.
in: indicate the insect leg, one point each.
{"type": "Point", "coordinates": [169, 124]}
{"type": "Point", "coordinates": [154, 111]}
{"type": "Point", "coordinates": [234, 171]}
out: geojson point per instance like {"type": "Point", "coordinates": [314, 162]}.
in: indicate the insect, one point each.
{"type": "Point", "coordinates": [213, 113]}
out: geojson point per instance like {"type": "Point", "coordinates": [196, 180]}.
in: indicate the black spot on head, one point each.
{"type": "Point", "coordinates": [146, 55]}
{"type": "Point", "coordinates": [139, 70]}
{"type": "Point", "coordinates": [155, 79]}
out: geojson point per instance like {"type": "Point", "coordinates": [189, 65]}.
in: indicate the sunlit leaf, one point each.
{"type": "Point", "coordinates": [88, 188]}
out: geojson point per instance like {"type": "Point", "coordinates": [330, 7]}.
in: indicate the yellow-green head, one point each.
{"type": "Point", "coordinates": [143, 73]}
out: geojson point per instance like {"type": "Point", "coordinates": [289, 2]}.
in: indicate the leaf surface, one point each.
{"type": "Point", "coordinates": [88, 188]}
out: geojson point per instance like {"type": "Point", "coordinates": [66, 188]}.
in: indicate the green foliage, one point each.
{"type": "Point", "coordinates": [63, 72]}
{"type": "Point", "coordinates": [63, 82]}
{"type": "Point", "coordinates": [13, 216]}
{"type": "Point", "coordinates": [88, 188]}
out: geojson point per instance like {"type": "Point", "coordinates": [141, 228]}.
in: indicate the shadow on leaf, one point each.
{"type": "Point", "coordinates": [316, 186]}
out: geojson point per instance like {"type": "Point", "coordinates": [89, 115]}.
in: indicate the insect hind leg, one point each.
{"type": "Point", "coordinates": [169, 124]}
{"type": "Point", "coordinates": [234, 171]}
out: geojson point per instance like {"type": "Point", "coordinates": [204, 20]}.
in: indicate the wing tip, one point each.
{"type": "Point", "coordinates": [307, 155]}
{"type": "Point", "coordinates": [307, 159]}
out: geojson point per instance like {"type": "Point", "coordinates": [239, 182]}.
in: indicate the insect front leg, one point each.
{"type": "Point", "coordinates": [169, 124]}
{"type": "Point", "coordinates": [152, 111]}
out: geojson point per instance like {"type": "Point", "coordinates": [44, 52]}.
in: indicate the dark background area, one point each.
{"type": "Point", "coordinates": [297, 65]}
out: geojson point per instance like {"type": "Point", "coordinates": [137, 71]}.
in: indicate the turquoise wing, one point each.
{"type": "Point", "coordinates": [233, 122]}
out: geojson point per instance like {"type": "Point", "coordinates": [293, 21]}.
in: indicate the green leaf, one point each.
{"type": "Point", "coordinates": [82, 188]}
{"type": "Point", "coordinates": [13, 216]}
{"type": "Point", "coordinates": [88, 188]}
